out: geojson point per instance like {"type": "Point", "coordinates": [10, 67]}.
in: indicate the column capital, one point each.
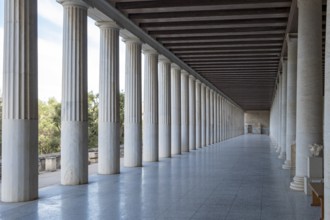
{"type": "Point", "coordinates": [107, 24]}
{"type": "Point", "coordinates": [146, 49]}
{"type": "Point", "coordinates": [163, 59]}
{"type": "Point", "coordinates": [175, 66]}
{"type": "Point", "coordinates": [192, 77]}
{"type": "Point", "coordinates": [198, 81]}
{"type": "Point", "coordinates": [291, 36]}
{"type": "Point", "coordinates": [129, 37]}
{"type": "Point", "coordinates": [80, 3]}
{"type": "Point", "coordinates": [184, 72]}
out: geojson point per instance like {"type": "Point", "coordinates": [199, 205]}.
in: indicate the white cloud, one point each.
{"type": "Point", "coordinates": [51, 10]}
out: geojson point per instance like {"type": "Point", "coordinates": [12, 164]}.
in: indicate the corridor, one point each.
{"type": "Point", "coordinates": [240, 178]}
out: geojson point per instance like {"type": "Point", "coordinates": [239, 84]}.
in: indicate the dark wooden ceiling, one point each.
{"type": "Point", "coordinates": [235, 44]}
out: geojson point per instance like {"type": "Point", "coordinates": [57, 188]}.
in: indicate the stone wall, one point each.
{"type": "Point", "coordinates": [258, 120]}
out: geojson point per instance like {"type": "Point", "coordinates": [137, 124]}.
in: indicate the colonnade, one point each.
{"type": "Point", "coordinates": [181, 113]}
{"type": "Point", "coordinates": [297, 113]}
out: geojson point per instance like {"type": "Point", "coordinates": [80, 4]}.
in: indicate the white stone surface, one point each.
{"type": "Point", "coordinates": [175, 110]}
{"type": "Point", "coordinates": [309, 85]}
{"type": "Point", "coordinates": [184, 112]}
{"type": "Point", "coordinates": [192, 113]}
{"type": "Point", "coordinates": [74, 133]}
{"type": "Point", "coordinates": [207, 115]}
{"type": "Point", "coordinates": [326, 151]}
{"type": "Point", "coordinates": [164, 79]}
{"type": "Point", "coordinates": [50, 164]}
{"type": "Point", "coordinates": [203, 115]}
{"type": "Point", "coordinates": [20, 103]}
{"type": "Point", "coordinates": [211, 110]}
{"type": "Point", "coordinates": [150, 109]}
{"type": "Point", "coordinates": [291, 98]}
{"type": "Point", "coordinates": [198, 114]}
{"type": "Point", "coordinates": [283, 106]}
{"type": "Point", "coordinates": [133, 118]}
{"type": "Point", "coordinates": [109, 125]}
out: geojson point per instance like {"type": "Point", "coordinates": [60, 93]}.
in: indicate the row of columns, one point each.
{"type": "Point", "coordinates": [180, 113]}
{"type": "Point", "coordinates": [297, 110]}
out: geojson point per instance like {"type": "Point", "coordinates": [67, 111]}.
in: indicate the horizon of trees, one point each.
{"type": "Point", "coordinates": [50, 123]}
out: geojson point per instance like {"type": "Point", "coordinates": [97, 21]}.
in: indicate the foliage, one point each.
{"type": "Point", "coordinates": [121, 110]}
{"type": "Point", "coordinates": [93, 112]}
{"type": "Point", "coordinates": [49, 126]}
{"type": "Point", "coordinates": [50, 123]}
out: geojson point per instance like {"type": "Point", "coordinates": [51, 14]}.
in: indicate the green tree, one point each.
{"type": "Point", "coordinates": [49, 126]}
{"type": "Point", "coordinates": [93, 106]}
{"type": "Point", "coordinates": [121, 111]}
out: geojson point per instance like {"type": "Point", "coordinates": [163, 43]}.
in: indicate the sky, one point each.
{"type": "Point", "coordinates": [50, 30]}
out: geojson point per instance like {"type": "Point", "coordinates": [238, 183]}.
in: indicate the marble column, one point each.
{"type": "Point", "coordinates": [211, 117]}
{"type": "Point", "coordinates": [207, 116]}
{"type": "Point", "coordinates": [220, 118]}
{"type": "Point", "coordinates": [291, 97]}
{"type": "Point", "coordinates": [175, 110]}
{"type": "Point", "coordinates": [133, 118]}
{"type": "Point", "coordinates": [184, 112]}
{"type": "Point", "coordinates": [309, 85]}
{"type": "Point", "coordinates": [198, 114]}
{"type": "Point", "coordinates": [326, 150]}
{"type": "Point", "coordinates": [203, 116]}
{"type": "Point", "coordinates": [109, 117]}
{"type": "Point", "coordinates": [215, 115]}
{"type": "Point", "coordinates": [280, 112]}
{"type": "Point", "coordinates": [20, 102]}
{"type": "Point", "coordinates": [283, 106]}
{"type": "Point", "coordinates": [74, 126]}
{"type": "Point", "coordinates": [164, 75]}
{"type": "Point", "coordinates": [192, 113]}
{"type": "Point", "coordinates": [150, 106]}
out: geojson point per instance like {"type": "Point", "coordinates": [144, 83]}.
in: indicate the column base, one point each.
{"type": "Point", "coordinates": [278, 149]}
{"type": "Point", "coordinates": [287, 165]}
{"type": "Point", "coordinates": [297, 184]}
{"type": "Point", "coordinates": [282, 155]}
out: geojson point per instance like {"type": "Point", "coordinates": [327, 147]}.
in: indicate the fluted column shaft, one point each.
{"type": "Point", "coordinates": [74, 126]}
{"type": "Point", "coordinates": [326, 151]}
{"type": "Point", "coordinates": [207, 115]}
{"type": "Point", "coordinates": [215, 115]}
{"type": "Point", "coordinates": [109, 117]}
{"type": "Point", "coordinates": [291, 97]}
{"type": "Point", "coordinates": [184, 112]}
{"type": "Point", "coordinates": [198, 114]}
{"type": "Point", "coordinates": [175, 110]}
{"type": "Point", "coordinates": [221, 118]}
{"type": "Point", "coordinates": [309, 85]}
{"type": "Point", "coordinates": [211, 117]}
{"type": "Point", "coordinates": [20, 102]}
{"type": "Point", "coordinates": [283, 106]}
{"type": "Point", "coordinates": [192, 113]}
{"type": "Point", "coordinates": [150, 109]}
{"type": "Point", "coordinates": [133, 118]}
{"type": "Point", "coordinates": [203, 116]}
{"type": "Point", "coordinates": [164, 75]}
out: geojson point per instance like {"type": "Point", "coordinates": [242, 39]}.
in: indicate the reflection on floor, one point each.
{"type": "Point", "coordinates": [240, 178]}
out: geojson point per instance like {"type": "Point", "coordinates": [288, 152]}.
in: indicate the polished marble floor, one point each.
{"type": "Point", "coordinates": [239, 179]}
